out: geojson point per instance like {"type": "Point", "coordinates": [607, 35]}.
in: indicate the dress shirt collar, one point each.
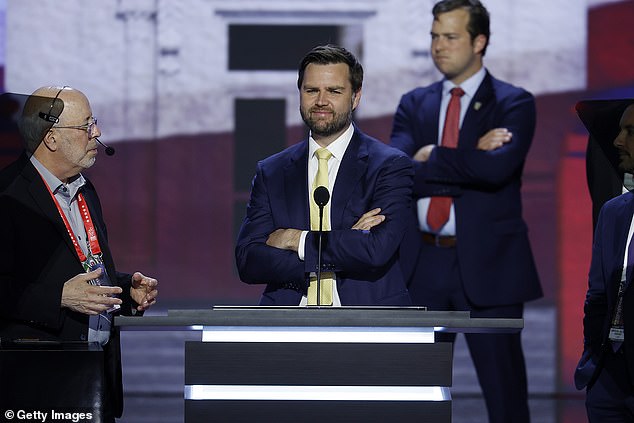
{"type": "Point", "coordinates": [469, 86]}
{"type": "Point", "coordinates": [337, 147]}
{"type": "Point", "coordinates": [58, 187]}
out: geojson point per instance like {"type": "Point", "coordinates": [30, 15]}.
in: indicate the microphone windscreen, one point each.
{"type": "Point", "coordinates": [321, 196]}
{"type": "Point", "coordinates": [109, 150]}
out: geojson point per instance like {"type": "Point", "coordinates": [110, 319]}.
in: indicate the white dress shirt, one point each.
{"type": "Point", "coordinates": [470, 86]}
{"type": "Point", "coordinates": [337, 148]}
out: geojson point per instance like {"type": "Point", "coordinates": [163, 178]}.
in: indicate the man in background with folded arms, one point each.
{"type": "Point", "coordinates": [468, 136]}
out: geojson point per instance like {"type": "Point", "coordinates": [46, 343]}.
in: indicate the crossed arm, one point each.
{"type": "Point", "coordinates": [490, 141]}
{"type": "Point", "coordinates": [266, 250]}
{"type": "Point", "coordinates": [288, 239]}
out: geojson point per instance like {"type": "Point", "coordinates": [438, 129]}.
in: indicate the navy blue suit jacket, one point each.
{"type": "Point", "coordinates": [496, 262]}
{"type": "Point", "coordinates": [608, 251]}
{"type": "Point", "coordinates": [366, 265]}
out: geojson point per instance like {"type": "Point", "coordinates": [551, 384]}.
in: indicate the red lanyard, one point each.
{"type": "Point", "coordinates": [91, 233]}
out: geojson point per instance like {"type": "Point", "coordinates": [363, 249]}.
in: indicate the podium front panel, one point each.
{"type": "Point", "coordinates": [337, 364]}
{"type": "Point", "coordinates": [317, 374]}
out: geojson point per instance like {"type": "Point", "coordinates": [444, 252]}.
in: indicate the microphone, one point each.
{"type": "Point", "coordinates": [321, 197]}
{"type": "Point", "coordinates": [110, 150]}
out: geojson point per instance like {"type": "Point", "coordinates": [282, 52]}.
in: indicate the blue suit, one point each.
{"type": "Point", "coordinates": [366, 263]}
{"type": "Point", "coordinates": [604, 372]}
{"type": "Point", "coordinates": [491, 270]}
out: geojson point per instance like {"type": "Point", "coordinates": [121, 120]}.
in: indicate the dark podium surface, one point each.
{"type": "Point", "coordinates": [315, 364]}
{"type": "Point", "coordinates": [450, 321]}
{"type": "Point", "coordinates": [52, 377]}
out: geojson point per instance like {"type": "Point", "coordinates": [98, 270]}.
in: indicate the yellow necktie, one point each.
{"type": "Point", "coordinates": [321, 179]}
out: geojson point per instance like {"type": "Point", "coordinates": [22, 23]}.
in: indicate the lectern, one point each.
{"type": "Point", "coordinates": [318, 364]}
{"type": "Point", "coordinates": [60, 377]}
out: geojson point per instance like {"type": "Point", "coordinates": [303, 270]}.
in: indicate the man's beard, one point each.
{"type": "Point", "coordinates": [323, 127]}
{"type": "Point", "coordinates": [626, 165]}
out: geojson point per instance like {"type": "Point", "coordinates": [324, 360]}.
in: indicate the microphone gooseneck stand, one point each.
{"type": "Point", "coordinates": [321, 197]}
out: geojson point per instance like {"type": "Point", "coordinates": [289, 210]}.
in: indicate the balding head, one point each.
{"type": "Point", "coordinates": [72, 100]}
{"type": "Point", "coordinates": [44, 108]}
{"type": "Point", "coordinates": [56, 122]}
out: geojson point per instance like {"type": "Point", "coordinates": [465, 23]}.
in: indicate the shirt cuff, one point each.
{"type": "Point", "coordinates": [302, 242]}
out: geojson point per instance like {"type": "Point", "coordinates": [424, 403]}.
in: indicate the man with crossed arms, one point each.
{"type": "Point", "coordinates": [370, 185]}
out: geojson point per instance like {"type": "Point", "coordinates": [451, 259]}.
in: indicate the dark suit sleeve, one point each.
{"type": "Point", "coordinates": [477, 169]}
{"type": "Point", "coordinates": [408, 135]}
{"type": "Point", "coordinates": [359, 252]}
{"type": "Point", "coordinates": [256, 261]}
{"type": "Point", "coordinates": [596, 310]}
{"type": "Point", "coordinates": [596, 304]}
{"type": "Point", "coordinates": [405, 133]}
{"type": "Point", "coordinates": [21, 296]}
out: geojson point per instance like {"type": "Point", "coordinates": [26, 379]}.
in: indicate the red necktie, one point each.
{"type": "Point", "coordinates": [438, 212]}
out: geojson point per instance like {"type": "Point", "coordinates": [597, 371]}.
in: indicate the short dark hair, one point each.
{"type": "Point", "coordinates": [478, 16]}
{"type": "Point", "coordinates": [331, 54]}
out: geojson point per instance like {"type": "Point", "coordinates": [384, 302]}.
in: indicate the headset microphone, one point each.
{"type": "Point", "coordinates": [50, 117]}
{"type": "Point", "coordinates": [109, 150]}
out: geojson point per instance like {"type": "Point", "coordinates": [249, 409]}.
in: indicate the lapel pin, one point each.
{"type": "Point", "coordinates": [477, 105]}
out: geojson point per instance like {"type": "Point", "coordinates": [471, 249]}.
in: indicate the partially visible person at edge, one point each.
{"type": "Point", "coordinates": [57, 275]}
{"type": "Point", "coordinates": [606, 367]}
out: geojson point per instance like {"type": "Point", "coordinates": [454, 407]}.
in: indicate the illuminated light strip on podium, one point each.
{"type": "Point", "coordinates": [316, 393]}
{"type": "Point", "coordinates": [318, 334]}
